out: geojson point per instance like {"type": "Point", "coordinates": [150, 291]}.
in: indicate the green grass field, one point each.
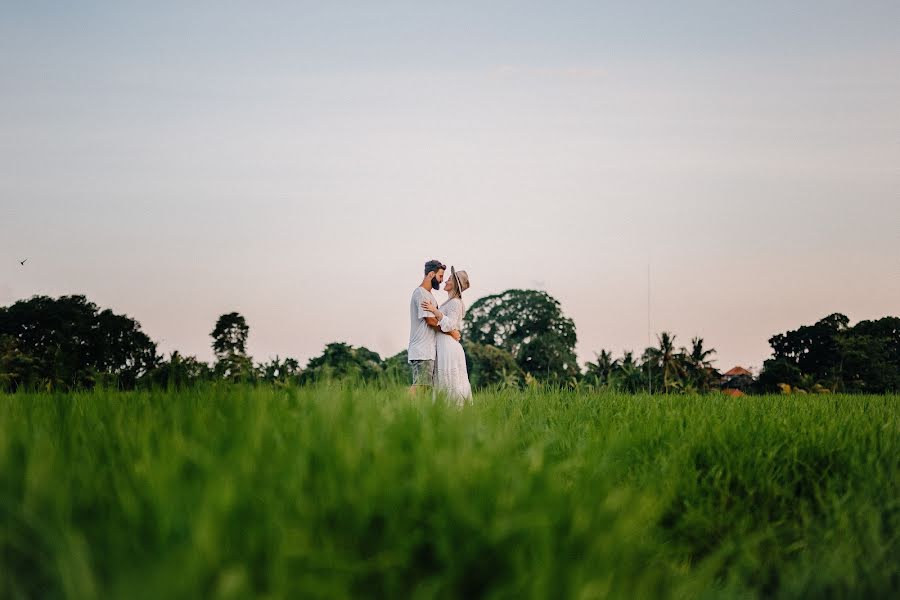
{"type": "Point", "coordinates": [352, 492]}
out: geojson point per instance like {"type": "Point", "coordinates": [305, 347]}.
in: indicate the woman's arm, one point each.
{"type": "Point", "coordinates": [433, 309]}
{"type": "Point", "coordinates": [443, 323]}
{"type": "Point", "coordinates": [452, 315]}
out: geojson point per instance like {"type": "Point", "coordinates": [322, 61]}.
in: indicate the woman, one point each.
{"type": "Point", "coordinates": [450, 374]}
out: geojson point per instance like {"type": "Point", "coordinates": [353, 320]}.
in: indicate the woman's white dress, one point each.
{"type": "Point", "coordinates": [451, 375]}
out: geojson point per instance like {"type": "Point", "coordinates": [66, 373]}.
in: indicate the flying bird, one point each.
{"type": "Point", "coordinates": [22, 262]}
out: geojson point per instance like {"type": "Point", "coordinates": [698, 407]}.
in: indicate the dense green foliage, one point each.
{"type": "Point", "coordinates": [491, 366]}
{"type": "Point", "coordinates": [350, 491]}
{"type": "Point", "coordinates": [340, 360]}
{"type": "Point", "coordinates": [69, 342]}
{"type": "Point", "coordinates": [531, 326]}
{"type": "Point", "coordinates": [230, 347]}
{"type": "Point", "coordinates": [512, 339]}
{"type": "Point", "coordinates": [665, 368]}
{"type": "Point", "coordinates": [833, 355]}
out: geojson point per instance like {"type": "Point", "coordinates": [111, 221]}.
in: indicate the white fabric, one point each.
{"type": "Point", "coordinates": [451, 375]}
{"type": "Point", "coordinates": [422, 338]}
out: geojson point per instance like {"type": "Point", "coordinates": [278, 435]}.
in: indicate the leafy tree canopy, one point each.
{"type": "Point", "coordinates": [531, 326]}
{"type": "Point", "coordinates": [832, 355]}
{"type": "Point", "coordinates": [179, 372]}
{"type": "Point", "coordinates": [813, 349]}
{"type": "Point", "coordinates": [491, 366]}
{"type": "Point", "coordinates": [230, 335]}
{"type": "Point", "coordinates": [340, 360]}
{"type": "Point", "coordinates": [70, 343]}
{"type": "Point", "coordinates": [278, 370]}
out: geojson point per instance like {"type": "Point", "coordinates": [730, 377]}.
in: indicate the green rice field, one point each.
{"type": "Point", "coordinates": [348, 491]}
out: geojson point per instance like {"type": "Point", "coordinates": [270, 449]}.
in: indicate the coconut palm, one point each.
{"type": "Point", "coordinates": [600, 372]}
{"type": "Point", "coordinates": [626, 374]}
{"type": "Point", "coordinates": [667, 362]}
{"type": "Point", "coordinates": [701, 372]}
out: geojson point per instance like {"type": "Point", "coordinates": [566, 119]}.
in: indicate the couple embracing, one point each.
{"type": "Point", "coordinates": [436, 357]}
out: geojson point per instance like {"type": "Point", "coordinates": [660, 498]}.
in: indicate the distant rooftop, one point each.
{"type": "Point", "coordinates": [736, 371]}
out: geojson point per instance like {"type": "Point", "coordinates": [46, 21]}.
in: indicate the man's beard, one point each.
{"type": "Point", "coordinates": [435, 284]}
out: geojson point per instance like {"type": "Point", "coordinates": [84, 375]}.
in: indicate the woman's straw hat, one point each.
{"type": "Point", "coordinates": [461, 278]}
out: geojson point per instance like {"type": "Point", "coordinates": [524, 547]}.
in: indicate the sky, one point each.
{"type": "Point", "coordinates": [722, 170]}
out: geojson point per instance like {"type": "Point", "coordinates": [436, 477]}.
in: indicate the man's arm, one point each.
{"type": "Point", "coordinates": [430, 318]}
{"type": "Point", "coordinates": [433, 323]}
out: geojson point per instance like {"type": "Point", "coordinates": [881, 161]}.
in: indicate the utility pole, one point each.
{"type": "Point", "coordinates": [649, 361]}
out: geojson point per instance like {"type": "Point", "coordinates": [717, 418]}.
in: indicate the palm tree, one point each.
{"type": "Point", "coordinates": [598, 373]}
{"type": "Point", "coordinates": [699, 363]}
{"type": "Point", "coordinates": [667, 360]}
{"type": "Point", "coordinates": [627, 373]}
{"type": "Point", "coordinates": [699, 356]}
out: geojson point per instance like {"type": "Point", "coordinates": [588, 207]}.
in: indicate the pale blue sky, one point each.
{"type": "Point", "coordinates": [299, 162]}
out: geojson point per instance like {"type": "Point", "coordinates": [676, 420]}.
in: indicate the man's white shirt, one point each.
{"type": "Point", "coordinates": [422, 338]}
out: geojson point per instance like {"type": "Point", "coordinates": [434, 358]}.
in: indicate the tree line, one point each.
{"type": "Point", "coordinates": [516, 338]}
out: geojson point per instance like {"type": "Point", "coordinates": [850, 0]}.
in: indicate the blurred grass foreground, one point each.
{"type": "Point", "coordinates": [347, 491]}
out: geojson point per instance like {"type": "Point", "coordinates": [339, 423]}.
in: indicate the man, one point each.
{"type": "Point", "coordinates": [424, 328]}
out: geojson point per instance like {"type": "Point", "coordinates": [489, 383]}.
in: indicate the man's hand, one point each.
{"type": "Point", "coordinates": [455, 335]}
